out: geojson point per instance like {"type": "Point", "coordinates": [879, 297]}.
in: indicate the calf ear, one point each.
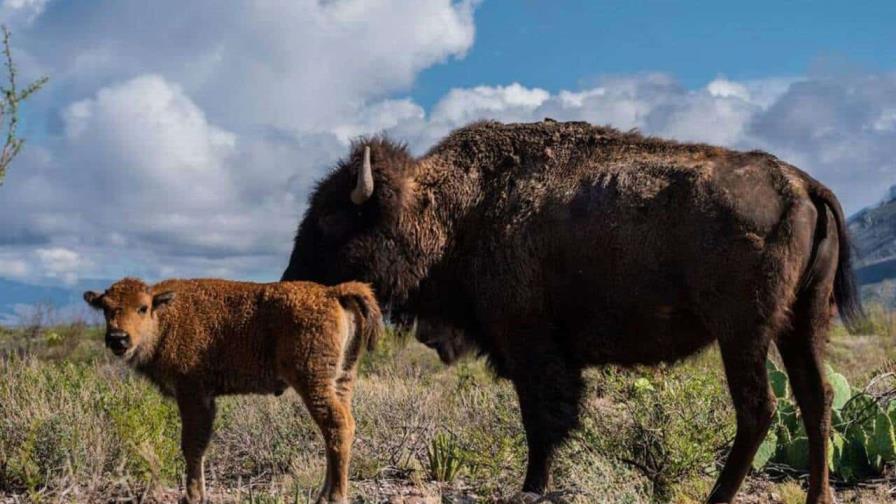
{"type": "Point", "coordinates": [161, 299]}
{"type": "Point", "coordinates": [93, 299]}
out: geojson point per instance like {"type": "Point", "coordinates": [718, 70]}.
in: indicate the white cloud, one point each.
{"type": "Point", "coordinates": [724, 88]}
{"type": "Point", "coordinates": [886, 121]}
{"type": "Point", "coordinates": [13, 268]}
{"type": "Point", "coordinates": [378, 116]}
{"type": "Point", "coordinates": [25, 10]}
{"type": "Point", "coordinates": [831, 126]}
{"type": "Point", "coordinates": [144, 139]}
{"type": "Point", "coordinates": [464, 105]}
{"type": "Point", "coordinates": [61, 263]}
{"type": "Point", "coordinates": [296, 65]}
{"type": "Point", "coordinates": [187, 147]}
{"type": "Point", "coordinates": [839, 128]}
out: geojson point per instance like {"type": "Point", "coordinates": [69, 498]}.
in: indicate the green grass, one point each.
{"type": "Point", "coordinates": [76, 426]}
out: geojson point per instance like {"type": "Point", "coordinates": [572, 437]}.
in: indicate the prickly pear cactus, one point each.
{"type": "Point", "coordinates": [881, 442]}
{"type": "Point", "coordinates": [766, 450]}
{"type": "Point", "coordinates": [851, 460]}
{"type": "Point", "coordinates": [778, 380]}
{"type": "Point", "coordinates": [863, 436]}
{"type": "Point", "coordinates": [796, 454]}
{"type": "Point", "coordinates": [839, 386]}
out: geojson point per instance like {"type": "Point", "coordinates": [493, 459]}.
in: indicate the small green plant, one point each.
{"type": "Point", "coordinates": [673, 423]}
{"type": "Point", "coordinates": [862, 440]}
{"type": "Point", "coordinates": [446, 458]}
{"type": "Point", "coordinates": [11, 99]}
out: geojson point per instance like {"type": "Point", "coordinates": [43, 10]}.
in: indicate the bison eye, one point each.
{"type": "Point", "coordinates": [142, 310]}
{"type": "Point", "coordinates": [334, 225]}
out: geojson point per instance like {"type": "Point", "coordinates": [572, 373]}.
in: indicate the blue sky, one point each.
{"type": "Point", "coordinates": [181, 139]}
{"type": "Point", "coordinates": [567, 44]}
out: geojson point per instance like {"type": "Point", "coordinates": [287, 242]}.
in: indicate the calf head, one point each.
{"type": "Point", "coordinates": [131, 310]}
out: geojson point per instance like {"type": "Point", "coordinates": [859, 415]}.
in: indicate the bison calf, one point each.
{"type": "Point", "coordinates": [198, 339]}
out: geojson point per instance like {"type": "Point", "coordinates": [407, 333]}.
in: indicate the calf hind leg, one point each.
{"type": "Point", "coordinates": [333, 417]}
{"type": "Point", "coordinates": [744, 357]}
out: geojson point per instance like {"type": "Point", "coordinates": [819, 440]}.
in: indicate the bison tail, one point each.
{"type": "Point", "coordinates": [359, 298]}
{"type": "Point", "coordinates": [846, 294]}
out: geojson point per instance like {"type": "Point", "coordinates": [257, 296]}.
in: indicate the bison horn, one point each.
{"type": "Point", "coordinates": [364, 188]}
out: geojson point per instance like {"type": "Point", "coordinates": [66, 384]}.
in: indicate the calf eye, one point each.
{"type": "Point", "coordinates": [142, 310]}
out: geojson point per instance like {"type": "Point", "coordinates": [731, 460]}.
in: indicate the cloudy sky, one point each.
{"type": "Point", "coordinates": [181, 138]}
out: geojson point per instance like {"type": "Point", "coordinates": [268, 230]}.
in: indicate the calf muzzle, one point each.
{"type": "Point", "coordinates": [118, 342]}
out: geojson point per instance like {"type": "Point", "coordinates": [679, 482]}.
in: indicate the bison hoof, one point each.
{"type": "Point", "coordinates": [527, 498]}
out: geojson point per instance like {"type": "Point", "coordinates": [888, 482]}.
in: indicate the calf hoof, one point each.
{"type": "Point", "coordinates": [192, 500]}
{"type": "Point", "coordinates": [331, 500]}
{"type": "Point", "coordinates": [827, 498]}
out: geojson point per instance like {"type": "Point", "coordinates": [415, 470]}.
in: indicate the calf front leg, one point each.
{"type": "Point", "coordinates": [197, 414]}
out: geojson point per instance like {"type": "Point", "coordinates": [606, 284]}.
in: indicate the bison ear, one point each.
{"type": "Point", "coordinates": [93, 299]}
{"type": "Point", "coordinates": [162, 299]}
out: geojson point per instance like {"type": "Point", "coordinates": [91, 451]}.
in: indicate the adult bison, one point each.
{"type": "Point", "coordinates": [550, 247]}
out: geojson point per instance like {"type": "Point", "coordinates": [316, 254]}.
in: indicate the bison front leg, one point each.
{"type": "Point", "coordinates": [197, 414]}
{"type": "Point", "coordinates": [549, 390]}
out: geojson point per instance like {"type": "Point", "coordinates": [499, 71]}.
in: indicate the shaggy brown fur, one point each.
{"type": "Point", "coordinates": [198, 339]}
{"type": "Point", "coordinates": [551, 247]}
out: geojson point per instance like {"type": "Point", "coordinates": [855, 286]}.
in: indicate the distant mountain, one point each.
{"type": "Point", "coordinates": [873, 233]}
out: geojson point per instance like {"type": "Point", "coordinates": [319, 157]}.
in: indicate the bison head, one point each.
{"type": "Point", "coordinates": [130, 308]}
{"type": "Point", "coordinates": [376, 218]}
{"type": "Point", "coordinates": [364, 222]}
{"type": "Point", "coordinates": [448, 341]}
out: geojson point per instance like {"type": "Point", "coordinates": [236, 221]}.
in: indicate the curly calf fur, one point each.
{"type": "Point", "coordinates": [199, 339]}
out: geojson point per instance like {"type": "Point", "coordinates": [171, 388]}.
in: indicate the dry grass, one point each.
{"type": "Point", "coordinates": [75, 426]}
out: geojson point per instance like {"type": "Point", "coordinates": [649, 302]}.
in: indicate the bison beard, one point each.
{"type": "Point", "coordinates": [552, 247]}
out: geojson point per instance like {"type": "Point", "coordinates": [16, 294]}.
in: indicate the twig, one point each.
{"type": "Point", "coordinates": [9, 107]}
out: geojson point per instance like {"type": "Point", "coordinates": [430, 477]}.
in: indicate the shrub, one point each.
{"type": "Point", "coordinates": [674, 424]}
{"type": "Point", "coordinates": [65, 421]}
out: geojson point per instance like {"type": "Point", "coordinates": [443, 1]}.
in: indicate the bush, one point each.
{"type": "Point", "coordinates": [82, 421]}
{"type": "Point", "coordinates": [671, 424]}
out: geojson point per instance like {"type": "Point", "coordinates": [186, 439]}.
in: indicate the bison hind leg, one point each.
{"type": "Point", "coordinates": [805, 368]}
{"type": "Point", "coordinates": [802, 349]}
{"type": "Point", "coordinates": [744, 352]}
